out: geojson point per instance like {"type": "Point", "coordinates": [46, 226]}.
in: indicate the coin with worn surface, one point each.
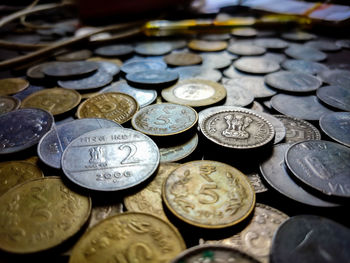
{"type": "Point", "coordinates": [110, 159]}
{"type": "Point", "coordinates": [216, 60]}
{"type": "Point", "coordinates": [40, 214]}
{"type": "Point", "coordinates": [336, 77]}
{"type": "Point", "coordinates": [298, 36]}
{"type": "Point", "coordinates": [271, 43]}
{"type": "Point", "coordinates": [8, 103]}
{"type": "Point", "coordinates": [335, 96]}
{"type": "Point", "coordinates": [142, 65]}
{"type": "Point", "coordinates": [280, 130]}
{"type": "Point", "coordinates": [237, 95]}
{"type": "Point", "coordinates": [182, 59]}
{"type": "Point", "coordinates": [164, 119]}
{"type": "Point", "coordinates": [194, 92]}
{"type": "Point", "coordinates": [322, 165]}
{"type": "Point", "coordinates": [256, 238]}
{"type": "Point", "coordinates": [115, 106]}
{"type": "Point", "coordinates": [153, 48]}
{"type": "Point", "coordinates": [237, 129]}
{"type": "Point", "coordinates": [244, 32]}
{"type": "Point", "coordinates": [149, 199]}
{"type": "Point", "coordinates": [152, 78]}
{"type": "Point", "coordinates": [11, 86]}
{"type": "Point", "coordinates": [311, 238]}
{"type": "Point", "coordinates": [54, 100]}
{"type": "Point", "coordinates": [75, 55]}
{"type": "Point", "coordinates": [298, 130]}
{"type": "Point", "coordinates": [114, 50]}
{"type": "Point", "coordinates": [180, 151]}
{"type": "Point", "coordinates": [208, 194]}
{"type": "Point", "coordinates": [13, 173]}
{"type": "Point", "coordinates": [277, 176]}
{"type": "Point", "coordinates": [258, 185]}
{"type": "Point", "coordinates": [344, 43]}
{"type": "Point", "coordinates": [305, 66]}
{"type": "Point", "coordinates": [129, 237]}
{"type": "Point", "coordinates": [337, 126]}
{"type": "Point", "coordinates": [256, 65]}
{"type": "Point", "coordinates": [198, 72]}
{"type": "Point", "coordinates": [54, 142]}
{"type": "Point", "coordinates": [100, 212]}
{"type": "Point", "coordinates": [293, 81]}
{"type": "Point", "coordinates": [305, 53]}
{"type": "Point", "coordinates": [143, 97]}
{"type": "Point", "coordinates": [213, 253]}
{"type": "Point", "coordinates": [246, 49]}
{"type": "Point", "coordinates": [324, 45]}
{"type": "Point", "coordinates": [36, 72]}
{"type": "Point", "coordinates": [204, 45]}
{"type": "Point", "coordinates": [309, 108]}
{"type": "Point", "coordinates": [23, 128]}
{"type": "Point", "coordinates": [70, 69]}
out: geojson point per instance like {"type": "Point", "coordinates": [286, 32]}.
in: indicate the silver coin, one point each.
{"type": "Point", "coordinates": [344, 43]}
{"type": "Point", "coordinates": [36, 72]}
{"type": "Point", "coordinates": [244, 32]}
{"type": "Point", "coordinates": [8, 103]}
{"type": "Point", "coordinates": [108, 67]}
{"type": "Point", "coordinates": [324, 45]}
{"type": "Point", "coordinates": [23, 128]}
{"type": "Point", "coordinates": [305, 53]}
{"type": "Point", "coordinates": [75, 55]}
{"type": "Point", "coordinates": [215, 60]}
{"type": "Point", "coordinates": [152, 78]}
{"type": "Point", "coordinates": [293, 81]}
{"type": "Point", "coordinates": [114, 50]}
{"type": "Point", "coordinates": [153, 48]}
{"type": "Point", "coordinates": [70, 69]}
{"type": "Point", "coordinates": [143, 97]}
{"type": "Point", "coordinates": [141, 65]}
{"type": "Point", "coordinates": [256, 65]}
{"type": "Point", "coordinates": [54, 142]}
{"type": "Point", "coordinates": [322, 165]}
{"type": "Point", "coordinates": [280, 130]}
{"type": "Point", "coordinates": [335, 96]}
{"type": "Point", "coordinates": [237, 95]}
{"type": "Point", "coordinates": [276, 174]}
{"type": "Point", "coordinates": [277, 57]}
{"type": "Point", "coordinates": [246, 49]}
{"type": "Point", "coordinates": [304, 66]}
{"type": "Point", "coordinates": [25, 93]}
{"type": "Point", "coordinates": [336, 77]}
{"type": "Point", "coordinates": [337, 126]}
{"type": "Point", "coordinates": [298, 36]}
{"type": "Point", "coordinates": [110, 159]}
{"type": "Point", "coordinates": [215, 37]}
{"type": "Point", "coordinates": [232, 73]}
{"type": "Point", "coordinates": [198, 72]}
{"type": "Point", "coordinates": [271, 43]}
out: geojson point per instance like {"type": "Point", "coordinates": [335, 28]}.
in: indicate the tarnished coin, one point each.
{"type": "Point", "coordinates": [40, 214]}
{"type": "Point", "coordinates": [310, 238]}
{"type": "Point", "coordinates": [11, 86]}
{"type": "Point", "coordinates": [271, 43]}
{"type": "Point", "coordinates": [305, 66]}
{"type": "Point", "coordinates": [324, 45]}
{"type": "Point", "coordinates": [337, 126]}
{"type": "Point", "coordinates": [195, 93]}
{"type": "Point", "coordinates": [237, 129]}
{"type": "Point", "coordinates": [115, 106]}
{"type": "Point", "coordinates": [54, 142]}
{"type": "Point", "coordinates": [164, 119]}
{"type": "Point", "coordinates": [110, 159]}
{"type": "Point", "coordinates": [336, 77]}
{"type": "Point", "coordinates": [216, 60]}
{"type": "Point", "coordinates": [101, 212]}
{"type": "Point", "coordinates": [280, 130]}
{"type": "Point", "coordinates": [344, 43]}
{"type": "Point", "coordinates": [335, 96]}
{"type": "Point", "coordinates": [256, 65]}
{"type": "Point", "coordinates": [204, 45]}
{"type": "Point", "coordinates": [244, 32]}
{"type": "Point", "coordinates": [256, 85]}
{"type": "Point", "coordinates": [149, 199]}
{"type": "Point", "coordinates": [237, 95]}
{"type": "Point", "coordinates": [246, 49]}
{"type": "Point", "coordinates": [114, 50]}
{"type": "Point", "coordinates": [277, 176]}
{"type": "Point", "coordinates": [256, 238]}
{"type": "Point", "coordinates": [208, 194]}
{"type": "Point", "coordinates": [23, 128]}
{"type": "Point", "coordinates": [70, 69]}
{"type": "Point", "coordinates": [153, 48]}
{"type": "Point", "coordinates": [54, 100]}
{"type": "Point", "coordinates": [142, 65]}
{"type": "Point", "coordinates": [151, 78]}
{"type": "Point", "coordinates": [213, 253]}
{"type": "Point", "coordinates": [309, 108]}
{"type": "Point", "coordinates": [8, 103]}
{"type": "Point", "coordinates": [129, 237]}
{"type": "Point", "coordinates": [97, 80]}
{"type": "Point", "coordinates": [75, 55]}
{"type": "Point", "coordinates": [198, 72]}
{"type": "Point", "coordinates": [293, 81]}
{"type": "Point", "coordinates": [16, 172]}
{"type": "Point", "coordinates": [182, 59]}
{"type": "Point", "coordinates": [180, 151]}
{"type": "Point", "coordinates": [298, 130]}
{"type": "Point", "coordinates": [323, 165]}
{"type": "Point", "coordinates": [36, 72]}
{"type": "Point", "coordinates": [298, 36]}
{"type": "Point", "coordinates": [25, 93]}
{"type": "Point", "coordinates": [305, 53]}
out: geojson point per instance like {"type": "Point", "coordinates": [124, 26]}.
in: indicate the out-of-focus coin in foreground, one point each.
{"type": "Point", "coordinates": [8, 103]}
{"type": "Point", "coordinates": [110, 159]}
{"type": "Point", "coordinates": [337, 126]}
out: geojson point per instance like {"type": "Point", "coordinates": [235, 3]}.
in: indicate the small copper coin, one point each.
{"type": "Point", "coordinates": [204, 45]}
{"type": "Point", "coordinates": [182, 59]}
{"type": "Point", "coordinates": [12, 85]}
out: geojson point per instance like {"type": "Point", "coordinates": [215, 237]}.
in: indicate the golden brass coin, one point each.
{"type": "Point", "coordinates": [115, 106]}
{"type": "Point", "coordinates": [40, 214]}
{"type": "Point", "coordinates": [11, 86]}
{"type": "Point", "coordinates": [208, 194]}
{"type": "Point", "coordinates": [34, 160]}
{"type": "Point", "coordinates": [16, 172]}
{"type": "Point", "coordinates": [116, 61]}
{"type": "Point", "coordinates": [129, 237]}
{"type": "Point", "coordinates": [203, 45]}
{"type": "Point", "coordinates": [149, 199]}
{"type": "Point", "coordinates": [195, 92]}
{"type": "Point", "coordinates": [182, 59]}
{"type": "Point", "coordinates": [256, 238]}
{"type": "Point", "coordinates": [88, 95]}
{"type": "Point", "coordinates": [55, 100]}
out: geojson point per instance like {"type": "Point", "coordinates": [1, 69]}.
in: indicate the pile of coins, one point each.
{"type": "Point", "coordinates": [133, 152]}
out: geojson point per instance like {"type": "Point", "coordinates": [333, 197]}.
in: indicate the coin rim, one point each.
{"type": "Point", "coordinates": [326, 131]}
